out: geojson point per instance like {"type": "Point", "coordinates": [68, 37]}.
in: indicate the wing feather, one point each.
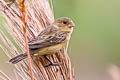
{"type": "Point", "coordinates": [47, 40]}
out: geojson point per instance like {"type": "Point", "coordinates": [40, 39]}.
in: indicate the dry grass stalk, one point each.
{"type": "Point", "coordinates": [4, 76]}
{"type": "Point", "coordinates": [22, 8]}
{"type": "Point", "coordinates": [39, 16]}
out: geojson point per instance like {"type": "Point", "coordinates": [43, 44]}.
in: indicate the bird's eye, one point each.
{"type": "Point", "coordinates": [64, 22]}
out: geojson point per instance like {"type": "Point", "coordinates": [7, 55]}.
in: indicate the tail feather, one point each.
{"type": "Point", "coordinates": [18, 58]}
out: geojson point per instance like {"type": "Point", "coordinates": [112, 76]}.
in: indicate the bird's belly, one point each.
{"type": "Point", "coordinates": [50, 50]}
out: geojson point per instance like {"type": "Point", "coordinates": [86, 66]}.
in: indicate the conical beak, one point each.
{"type": "Point", "coordinates": [71, 24]}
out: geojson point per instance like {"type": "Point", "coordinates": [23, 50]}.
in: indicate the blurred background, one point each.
{"type": "Point", "coordinates": [95, 44]}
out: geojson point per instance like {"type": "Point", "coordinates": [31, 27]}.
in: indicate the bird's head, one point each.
{"type": "Point", "coordinates": [64, 24]}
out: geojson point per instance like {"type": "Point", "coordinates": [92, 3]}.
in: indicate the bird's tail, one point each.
{"type": "Point", "coordinates": [18, 58]}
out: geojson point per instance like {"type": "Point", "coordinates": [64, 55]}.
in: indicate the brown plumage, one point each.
{"type": "Point", "coordinates": [50, 40]}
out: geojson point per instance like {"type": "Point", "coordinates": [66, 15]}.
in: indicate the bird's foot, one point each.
{"type": "Point", "coordinates": [52, 64]}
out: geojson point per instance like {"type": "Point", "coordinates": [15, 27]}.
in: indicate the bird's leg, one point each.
{"type": "Point", "coordinates": [50, 62]}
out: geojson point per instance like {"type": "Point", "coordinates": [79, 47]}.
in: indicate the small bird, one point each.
{"type": "Point", "coordinates": [49, 41]}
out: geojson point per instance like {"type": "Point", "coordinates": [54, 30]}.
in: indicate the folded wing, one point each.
{"type": "Point", "coordinates": [43, 41]}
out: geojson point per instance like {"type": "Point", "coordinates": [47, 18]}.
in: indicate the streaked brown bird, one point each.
{"type": "Point", "coordinates": [50, 40]}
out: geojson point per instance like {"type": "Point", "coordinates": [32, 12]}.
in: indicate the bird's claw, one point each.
{"type": "Point", "coordinates": [52, 64]}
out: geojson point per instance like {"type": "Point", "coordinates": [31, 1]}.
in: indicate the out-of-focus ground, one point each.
{"type": "Point", "coordinates": [95, 44]}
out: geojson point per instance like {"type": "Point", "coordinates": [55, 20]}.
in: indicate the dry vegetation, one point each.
{"type": "Point", "coordinates": [38, 14]}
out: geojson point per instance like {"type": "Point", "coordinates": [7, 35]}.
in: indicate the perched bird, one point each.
{"type": "Point", "coordinates": [50, 40]}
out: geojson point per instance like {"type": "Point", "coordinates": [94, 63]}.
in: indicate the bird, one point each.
{"type": "Point", "coordinates": [49, 41]}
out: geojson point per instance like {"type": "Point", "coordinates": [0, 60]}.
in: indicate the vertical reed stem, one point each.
{"type": "Point", "coordinates": [22, 7]}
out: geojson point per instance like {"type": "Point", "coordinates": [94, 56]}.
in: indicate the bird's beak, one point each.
{"type": "Point", "coordinates": [71, 24]}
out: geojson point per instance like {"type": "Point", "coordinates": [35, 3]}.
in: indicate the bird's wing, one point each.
{"type": "Point", "coordinates": [42, 37]}
{"type": "Point", "coordinates": [47, 40]}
